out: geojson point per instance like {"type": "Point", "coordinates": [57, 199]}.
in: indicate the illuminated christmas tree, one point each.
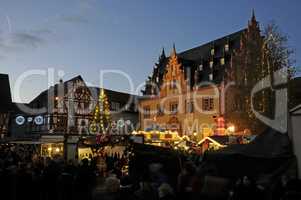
{"type": "Point", "coordinates": [101, 117]}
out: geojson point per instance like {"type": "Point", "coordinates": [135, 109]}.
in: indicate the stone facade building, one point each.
{"type": "Point", "coordinates": [204, 87]}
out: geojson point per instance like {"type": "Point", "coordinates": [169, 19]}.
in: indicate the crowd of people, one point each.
{"type": "Point", "coordinates": [35, 177]}
{"type": "Point", "coordinates": [194, 182]}
{"type": "Point", "coordinates": [24, 174]}
{"type": "Point", "coordinates": [29, 176]}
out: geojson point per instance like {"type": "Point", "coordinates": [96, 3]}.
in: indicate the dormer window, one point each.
{"type": "Point", "coordinates": [222, 61]}
{"type": "Point", "coordinates": [226, 47]}
{"type": "Point", "coordinates": [212, 51]}
{"type": "Point", "coordinates": [211, 63]}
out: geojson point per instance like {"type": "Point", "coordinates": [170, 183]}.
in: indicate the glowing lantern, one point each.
{"type": "Point", "coordinates": [231, 129]}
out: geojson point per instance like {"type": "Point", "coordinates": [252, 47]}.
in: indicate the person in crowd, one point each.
{"type": "Point", "coordinates": [111, 189]}
{"type": "Point", "coordinates": [24, 182]}
{"type": "Point", "coordinates": [84, 181]}
{"type": "Point", "coordinates": [165, 192]}
{"type": "Point", "coordinates": [292, 190]}
{"type": "Point", "coordinates": [157, 174]}
{"type": "Point", "coordinates": [146, 190]}
{"type": "Point", "coordinates": [185, 181]}
{"type": "Point", "coordinates": [51, 173]}
{"type": "Point", "coordinates": [245, 188]}
{"type": "Point", "coordinates": [66, 181]}
{"type": "Point", "coordinates": [126, 188]}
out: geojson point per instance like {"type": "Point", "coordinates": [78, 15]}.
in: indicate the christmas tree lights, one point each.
{"type": "Point", "coordinates": [101, 117]}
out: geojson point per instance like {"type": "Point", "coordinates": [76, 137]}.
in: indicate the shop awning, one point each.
{"type": "Point", "coordinates": [52, 139]}
{"type": "Point", "coordinates": [25, 142]}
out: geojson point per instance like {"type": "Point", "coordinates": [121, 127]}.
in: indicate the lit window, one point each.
{"type": "Point", "coordinates": [207, 104]}
{"type": "Point", "coordinates": [211, 63]}
{"type": "Point", "coordinates": [210, 77]}
{"type": "Point", "coordinates": [189, 107]}
{"type": "Point", "coordinates": [201, 67]}
{"type": "Point", "coordinates": [222, 61]}
{"type": "Point", "coordinates": [146, 112]}
{"type": "Point", "coordinates": [226, 47]}
{"type": "Point", "coordinates": [212, 51]}
{"type": "Point", "coordinates": [159, 110]}
{"type": "Point", "coordinates": [157, 79]}
{"type": "Point", "coordinates": [173, 108]}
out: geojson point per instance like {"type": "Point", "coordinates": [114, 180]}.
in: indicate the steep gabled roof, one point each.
{"type": "Point", "coordinates": [116, 96]}
{"type": "Point", "coordinates": [113, 96]}
{"type": "Point", "coordinates": [203, 51]}
{"type": "Point", "coordinates": [5, 100]}
{"type": "Point", "coordinates": [44, 95]}
{"type": "Point", "coordinates": [17, 107]}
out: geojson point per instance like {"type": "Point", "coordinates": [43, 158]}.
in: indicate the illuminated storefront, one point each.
{"type": "Point", "coordinates": [52, 149]}
{"type": "Point", "coordinates": [52, 146]}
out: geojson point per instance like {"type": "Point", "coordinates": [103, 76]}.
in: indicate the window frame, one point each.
{"type": "Point", "coordinates": [207, 103]}
{"type": "Point", "coordinates": [173, 108]}
{"type": "Point", "coordinates": [146, 112]}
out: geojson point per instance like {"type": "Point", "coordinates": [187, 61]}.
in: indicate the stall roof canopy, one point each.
{"type": "Point", "coordinates": [269, 144]}
{"type": "Point", "coordinates": [268, 153]}
{"type": "Point", "coordinates": [218, 140]}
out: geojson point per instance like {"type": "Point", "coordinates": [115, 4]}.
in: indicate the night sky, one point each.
{"type": "Point", "coordinates": [82, 37]}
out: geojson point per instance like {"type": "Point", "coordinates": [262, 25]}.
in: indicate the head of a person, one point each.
{"type": "Point", "coordinates": [70, 162]}
{"type": "Point", "coordinates": [85, 162]}
{"type": "Point", "coordinates": [125, 181]}
{"type": "Point", "coordinates": [284, 180]}
{"type": "Point", "coordinates": [189, 167]}
{"type": "Point", "coordinates": [246, 181]}
{"type": "Point", "coordinates": [165, 190]}
{"type": "Point", "coordinates": [112, 184]}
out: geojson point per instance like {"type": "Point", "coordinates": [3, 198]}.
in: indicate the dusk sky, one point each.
{"type": "Point", "coordinates": [82, 37]}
